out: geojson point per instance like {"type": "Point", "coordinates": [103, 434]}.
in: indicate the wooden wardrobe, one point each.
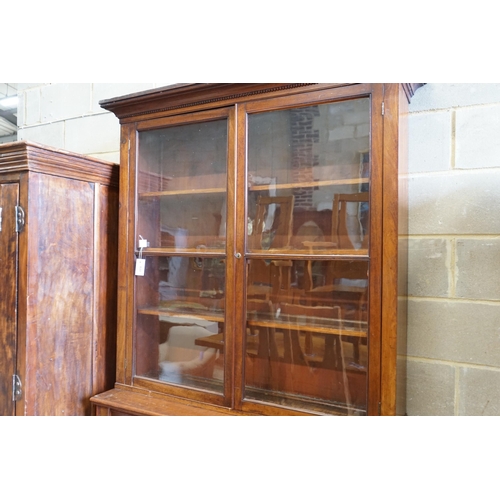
{"type": "Point", "coordinates": [58, 275]}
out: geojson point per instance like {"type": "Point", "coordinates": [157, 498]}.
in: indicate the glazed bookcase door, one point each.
{"type": "Point", "coordinates": [181, 192]}
{"type": "Point", "coordinates": [307, 236]}
{"type": "Point", "coordinates": [9, 195]}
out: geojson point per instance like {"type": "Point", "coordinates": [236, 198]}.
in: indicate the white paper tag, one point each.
{"type": "Point", "coordinates": [140, 266]}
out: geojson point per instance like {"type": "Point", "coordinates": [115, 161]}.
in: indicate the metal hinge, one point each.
{"type": "Point", "coordinates": [383, 108]}
{"type": "Point", "coordinates": [17, 389]}
{"type": "Point", "coordinates": [19, 219]}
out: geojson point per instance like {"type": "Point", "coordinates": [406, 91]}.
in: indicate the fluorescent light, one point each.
{"type": "Point", "coordinates": [9, 102]}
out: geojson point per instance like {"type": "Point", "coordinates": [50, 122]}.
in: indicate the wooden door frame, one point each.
{"type": "Point", "coordinates": [10, 200]}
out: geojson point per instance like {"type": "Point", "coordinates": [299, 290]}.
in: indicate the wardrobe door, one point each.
{"type": "Point", "coordinates": [9, 194]}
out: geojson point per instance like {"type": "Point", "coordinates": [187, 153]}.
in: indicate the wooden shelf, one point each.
{"type": "Point", "coordinates": [318, 326]}
{"type": "Point", "coordinates": [308, 254]}
{"type": "Point", "coordinates": [197, 314]}
{"type": "Point", "coordinates": [216, 341]}
{"type": "Point", "coordinates": [183, 252]}
{"type": "Point", "coordinates": [322, 326]}
{"type": "Point", "coordinates": [259, 187]}
{"type": "Point", "coordinates": [298, 185]}
{"type": "Point", "coordinates": [183, 191]}
{"type": "Point", "coordinates": [259, 254]}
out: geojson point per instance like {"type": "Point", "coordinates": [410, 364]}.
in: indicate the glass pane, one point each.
{"type": "Point", "coordinates": [180, 321]}
{"type": "Point", "coordinates": [182, 186]}
{"type": "Point", "coordinates": [306, 334]}
{"type": "Point", "coordinates": [308, 177]}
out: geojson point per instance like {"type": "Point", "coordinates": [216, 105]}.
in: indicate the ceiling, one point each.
{"type": "Point", "coordinates": [8, 114]}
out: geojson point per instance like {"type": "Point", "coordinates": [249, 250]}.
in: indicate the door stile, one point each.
{"type": "Point", "coordinates": [231, 308]}
{"type": "Point", "coordinates": [375, 253]}
{"type": "Point", "coordinates": [240, 257]}
{"type": "Point", "coordinates": [22, 291]}
{"type": "Point", "coordinates": [9, 251]}
{"type": "Point", "coordinates": [28, 293]}
{"type": "Point", "coordinates": [126, 215]}
{"type": "Point", "coordinates": [19, 399]}
{"type": "Point", "coordinates": [394, 161]}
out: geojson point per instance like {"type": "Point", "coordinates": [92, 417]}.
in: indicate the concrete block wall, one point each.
{"type": "Point", "coordinates": [68, 116]}
{"type": "Point", "coordinates": [454, 250]}
{"type": "Point", "coordinates": [454, 227]}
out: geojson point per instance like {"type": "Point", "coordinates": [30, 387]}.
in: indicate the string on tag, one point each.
{"type": "Point", "coordinates": [141, 246]}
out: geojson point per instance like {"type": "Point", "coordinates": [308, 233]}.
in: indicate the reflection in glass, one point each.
{"type": "Point", "coordinates": [272, 227]}
{"type": "Point", "coordinates": [311, 156]}
{"type": "Point", "coordinates": [180, 321]}
{"type": "Point", "coordinates": [182, 185]}
{"type": "Point", "coordinates": [306, 342]}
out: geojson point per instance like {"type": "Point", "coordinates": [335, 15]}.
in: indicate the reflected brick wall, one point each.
{"type": "Point", "coordinates": [303, 159]}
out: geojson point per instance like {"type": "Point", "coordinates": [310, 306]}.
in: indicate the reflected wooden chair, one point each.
{"type": "Point", "coordinates": [342, 238]}
{"type": "Point", "coordinates": [345, 281]}
{"type": "Point", "coordinates": [275, 342]}
{"type": "Point", "coordinates": [343, 235]}
{"type": "Point", "coordinates": [320, 348]}
{"type": "Point", "coordinates": [260, 339]}
{"type": "Point", "coordinates": [348, 233]}
{"type": "Point", "coordinates": [352, 299]}
{"type": "Point", "coordinates": [277, 212]}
